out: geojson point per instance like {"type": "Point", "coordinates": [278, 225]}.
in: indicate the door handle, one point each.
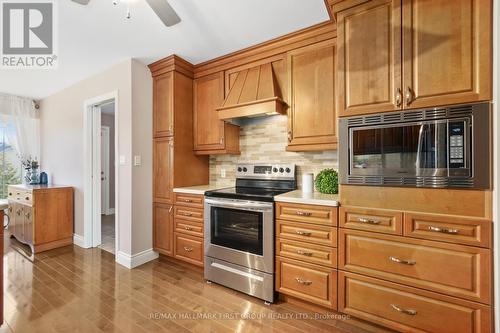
{"type": "Point", "coordinates": [410, 312]}
{"type": "Point", "coordinates": [408, 96]}
{"type": "Point", "coordinates": [402, 261]}
{"type": "Point", "coordinates": [399, 97]}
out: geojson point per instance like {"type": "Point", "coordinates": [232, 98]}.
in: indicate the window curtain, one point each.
{"type": "Point", "coordinates": [23, 125]}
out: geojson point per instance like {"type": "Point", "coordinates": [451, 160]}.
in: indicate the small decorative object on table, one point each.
{"type": "Point", "coordinates": [31, 174]}
{"type": "Point", "coordinates": [327, 181]}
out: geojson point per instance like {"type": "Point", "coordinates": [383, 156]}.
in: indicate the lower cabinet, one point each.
{"type": "Point", "coordinates": [178, 228]}
{"type": "Point", "coordinates": [408, 309]}
{"type": "Point", "coordinates": [306, 253]}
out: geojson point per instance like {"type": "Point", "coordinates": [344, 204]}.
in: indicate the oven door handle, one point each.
{"type": "Point", "coordinates": [239, 205]}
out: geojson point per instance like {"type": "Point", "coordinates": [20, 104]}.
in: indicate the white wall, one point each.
{"type": "Point", "coordinates": [62, 146]}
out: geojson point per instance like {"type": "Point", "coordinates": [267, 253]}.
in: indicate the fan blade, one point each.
{"type": "Point", "coordinates": [82, 2]}
{"type": "Point", "coordinates": [164, 11]}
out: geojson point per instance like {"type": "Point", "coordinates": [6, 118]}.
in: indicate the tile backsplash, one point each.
{"type": "Point", "coordinates": [264, 140]}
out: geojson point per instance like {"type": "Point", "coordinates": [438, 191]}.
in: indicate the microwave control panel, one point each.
{"type": "Point", "coordinates": [456, 132]}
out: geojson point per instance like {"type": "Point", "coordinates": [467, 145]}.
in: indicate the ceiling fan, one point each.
{"type": "Point", "coordinates": [161, 7]}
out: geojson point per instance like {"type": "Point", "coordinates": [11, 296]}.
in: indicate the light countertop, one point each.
{"type": "Point", "coordinates": [37, 187]}
{"type": "Point", "coordinates": [315, 198]}
{"type": "Point", "coordinates": [199, 189]}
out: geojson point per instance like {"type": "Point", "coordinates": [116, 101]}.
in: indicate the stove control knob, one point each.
{"type": "Point", "coordinates": [288, 170]}
{"type": "Point", "coordinates": [282, 170]}
{"type": "Point", "coordinates": [245, 169]}
{"type": "Point", "coordinates": [275, 169]}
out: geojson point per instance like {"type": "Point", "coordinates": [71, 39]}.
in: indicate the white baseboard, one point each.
{"type": "Point", "coordinates": [79, 241]}
{"type": "Point", "coordinates": [137, 259]}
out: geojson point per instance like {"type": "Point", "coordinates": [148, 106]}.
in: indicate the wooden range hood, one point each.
{"type": "Point", "coordinates": [254, 93]}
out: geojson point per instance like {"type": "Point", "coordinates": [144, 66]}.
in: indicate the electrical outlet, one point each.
{"type": "Point", "coordinates": [123, 160]}
{"type": "Point", "coordinates": [223, 173]}
{"type": "Point", "coordinates": [137, 160]}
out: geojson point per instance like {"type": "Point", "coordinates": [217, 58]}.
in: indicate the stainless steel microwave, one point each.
{"type": "Point", "coordinates": [438, 147]}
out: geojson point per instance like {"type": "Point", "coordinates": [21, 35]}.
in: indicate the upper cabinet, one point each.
{"type": "Point", "coordinates": [446, 52]}
{"type": "Point", "coordinates": [212, 135]}
{"type": "Point", "coordinates": [311, 94]}
{"type": "Point", "coordinates": [402, 54]}
{"type": "Point", "coordinates": [163, 104]}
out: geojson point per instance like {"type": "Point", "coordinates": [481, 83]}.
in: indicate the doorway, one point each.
{"type": "Point", "coordinates": [100, 188]}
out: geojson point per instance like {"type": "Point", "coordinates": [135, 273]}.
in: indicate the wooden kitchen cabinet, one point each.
{"type": "Point", "coordinates": [211, 135]}
{"type": "Point", "coordinates": [312, 115]}
{"type": "Point", "coordinates": [163, 104]}
{"type": "Point", "coordinates": [163, 228]}
{"type": "Point", "coordinates": [163, 151]}
{"type": "Point", "coordinates": [402, 54]}
{"type": "Point", "coordinates": [369, 58]}
{"type": "Point", "coordinates": [446, 52]}
{"type": "Point", "coordinates": [41, 216]}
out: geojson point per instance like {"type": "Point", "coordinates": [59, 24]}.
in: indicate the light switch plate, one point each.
{"type": "Point", "coordinates": [123, 160]}
{"type": "Point", "coordinates": [223, 173]}
{"type": "Point", "coordinates": [137, 160]}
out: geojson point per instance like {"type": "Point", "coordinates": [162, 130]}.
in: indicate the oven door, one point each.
{"type": "Point", "coordinates": [240, 232]}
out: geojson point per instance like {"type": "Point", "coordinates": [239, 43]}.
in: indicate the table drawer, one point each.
{"type": "Point", "coordinates": [190, 200]}
{"type": "Point", "coordinates": [456, 270]}
{"type": "Point", "coordinates": [377, 220]}
{"type": "Point", "coordinates": [189, 213]}
{"type": "Point", "coordinates": [310, 233]}
{"type": "Point", "coordinates": [448, 228]}
{"type": "Point", "coordinates": [310, 253]}
{"type": "Point", "coordinates": [408, 309]}
{"type": "Point", "coordinates": [188, 248]}
{"type": "Point", "coordinates": [323, 215]}
{"type": "Point", "coordinates": [312, 283]}
{"type": "Point", "coordinates": [21, 196]}
{"type": "Point", "coordinates": [188, 227]}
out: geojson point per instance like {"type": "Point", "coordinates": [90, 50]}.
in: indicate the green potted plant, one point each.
{"type": "Point", "coordinates": [327, 181]}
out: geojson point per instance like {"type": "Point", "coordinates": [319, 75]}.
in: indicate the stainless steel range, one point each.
{"type": "Point", "coordinates": [239, 229]}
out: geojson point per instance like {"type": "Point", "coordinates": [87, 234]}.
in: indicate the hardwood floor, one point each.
{"type": "Point", "coordinates": [76, 290]}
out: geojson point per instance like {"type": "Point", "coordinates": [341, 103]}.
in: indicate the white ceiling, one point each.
{"type": "Point", "coordinates": [95, 37]}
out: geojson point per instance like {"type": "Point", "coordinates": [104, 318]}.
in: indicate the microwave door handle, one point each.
{"type": "Point", "coordinates": [419, 148]}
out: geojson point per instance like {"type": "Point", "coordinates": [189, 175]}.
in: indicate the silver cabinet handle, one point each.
{"type": "Point", "coordinates": [304, 282]}
{"type": "Point", "coordinates": [408, 96]}
{"type": "Point", "coordinates": [221, 141]}
{"type": "Point", "coordinates": [402, 261]}
{"type": "Point", "coordinates": [303, 233]}
{"type": "Point", "coordinates": [399, 97]}
{"type": "Point", "coordinates": [368, 221]}
{"type": "Point", "coordinates": [170, 209]}
{"type": "Point", "coordinates": [442, 230]}
{"type": "Point", "coordinates": [187, 214]}
{"type": "Point", "coordinates": [290, 136]}
{"type": "Point", "coordinates": [188, 200]}
{"type": "Point", "coordinates": [304, 253]}
{"type": "Point", "coordinates": [410, 312]}
{"type": "Point", "coordinates": [300, 213]}
{"type": "Point", "coordinates": [188, 249]}
{"type": "Point", "coordinates": [188, 228]}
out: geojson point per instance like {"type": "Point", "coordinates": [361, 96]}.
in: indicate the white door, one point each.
{"type": "Point", "coordinates": [105, 170]}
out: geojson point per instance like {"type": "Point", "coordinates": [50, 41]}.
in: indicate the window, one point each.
{"type": "Point", "coordinates": [10, 164]}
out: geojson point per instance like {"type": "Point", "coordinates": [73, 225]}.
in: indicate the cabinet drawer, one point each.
{"type": "Point", "coordinates": [312, 283]}
{"type": "Point", "coordinates": [21, 196]}
{"type": "Point", "coordinates": [188, 227]}
{"type": "Point", "coordinates": [448, 228]}
{"type": "Point", "coordinates": [456, 270]}
{"type": "Point", "coordinates": [307, 213]}
{"type": "Point", "coordinates": [378, 220]}
{"type": "Point", "coordinates": [188, 248]}
{"type": "Point", "coordinates": [189, 213]}
{"type": "Point", "coordinates": [191, 200]}
{"type": "Point", "coordinates": [309, 253]}
{"type": "Point", "coordinates": [316, 234]}
{"type": "Point", "coordinates": [408, 309]}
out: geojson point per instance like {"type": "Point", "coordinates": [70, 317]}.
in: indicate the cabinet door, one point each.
{"type": "Point", "coordinates": [312, 117]}
{"type": "Point", "coordinates": [446, 52]}
{"type": "Point", "coordinates": [163, 105]}
{"type": "Point", "coordinates": [19, 224]}
{"type": "Point", "coordinates": [208, 129]}
{"type": "Point", "coordinates": [162, 169]}
{"type": "Point", "coordinates": [163, 228]}
{"type": "Point", "coordinates": [369, 58]}
{"type": "Point", "coordinates": [28, 224]}
{"type": "Point", "coordinates": [12, 217]}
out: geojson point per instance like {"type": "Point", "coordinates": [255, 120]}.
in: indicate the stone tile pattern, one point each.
{"type": "Point", "coordinates": [265, 140]}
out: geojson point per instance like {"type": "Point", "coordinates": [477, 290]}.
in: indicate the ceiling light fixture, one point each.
{"type": "Point", "coordinates": [116, 2]}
